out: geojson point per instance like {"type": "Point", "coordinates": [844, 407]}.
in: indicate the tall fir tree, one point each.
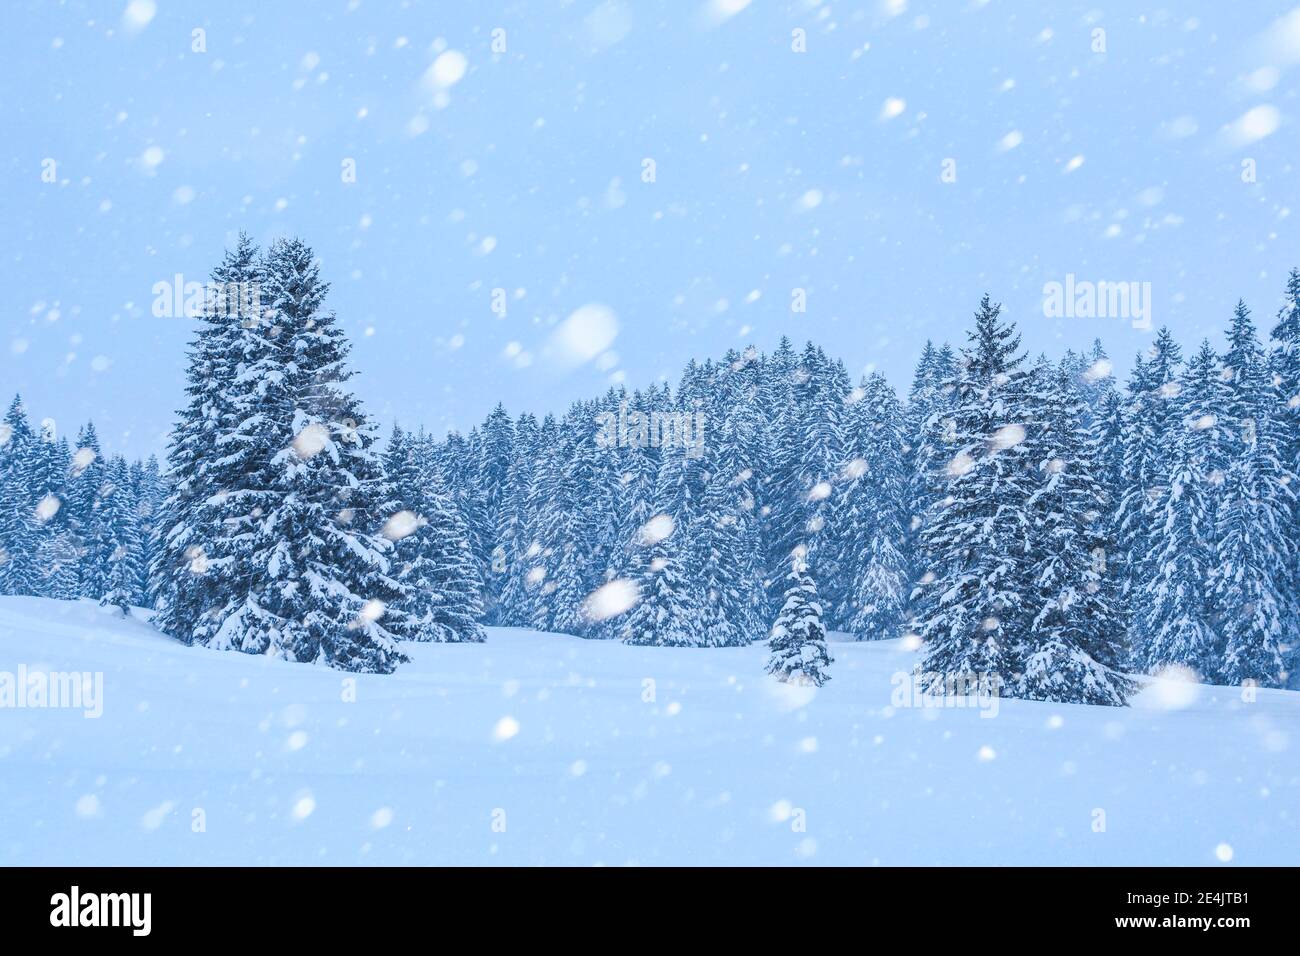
{"type": "Point", "coordinates": [215, 499]}
{"type": "Point", "coordinates": [495, 451]}
{"type": "Point", "coordinates": [151, 493]}
{"type": "Point", "coordinates": [818, 449]}
{"type": "Point", "coordinates": [531, 607]}
{"type": "Point", "coordinates": [119, 539]}
{"type": "Point", "coordinates": [431, 559]}
{"type": "Point", "coordinates": [930, 437]}
{"type": "Point", "coordinates": [663, 615]}
{"type": "Point", "coordinates": [459, 457]}
{"type": "Point", "coordinates": [561, 533]}
{"type": "Point", "coordinates": [309, 575]}
{"type": "Point", "coordinates": [1072, 643]}
{"type": "Point", "coordinates": [508, 557]}
{"type": "Point", "coordinates": [730, 494]}
{"type": "Point", "coordinates": [1175, 618]}
{"type": "Point", "coordinates": [57, 554]}
{"type": "Point", "coordinates": [1253, 549]}
{"type": "Point", "coordinates": [721, 542]}
{"type": "Point", "coordinates": [1106, 433]}
{"type": "Point", "coordinates": [1285, 363]}
{"type": "Point", "coordinates": [1150, 417]}
{"type": "Point", "coordinates": [873, 515]}
{"type": "Point", "coordinates": [18, 526]}
{"type": "Point", "coordinates": [975, 537]}
{"type": "Point", "coordinates": [85, 483]}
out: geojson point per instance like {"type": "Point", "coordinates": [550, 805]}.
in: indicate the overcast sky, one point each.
{"type": "Point", "coordinates": [1114, 156]}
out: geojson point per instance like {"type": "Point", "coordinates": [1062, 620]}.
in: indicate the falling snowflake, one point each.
{"type": "Point", "coordinates": [657, 529]}
{"type": "Point", "coordinates": [610, 600]}
{"type": "Point", "coordinates": [401, 525]}
{"type": "Point", "coordinates": [311, 441]}
{"type": "Point", "coordinates": [47, 508]}
{"type": "Point", "coordinates": [505, 728]}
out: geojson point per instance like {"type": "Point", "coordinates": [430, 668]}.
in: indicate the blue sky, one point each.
{"type": "Point", "coordinates": [522, 170]}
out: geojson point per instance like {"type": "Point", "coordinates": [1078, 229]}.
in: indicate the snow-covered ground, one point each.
{"type": "Point", "coordinates": [538, 748]}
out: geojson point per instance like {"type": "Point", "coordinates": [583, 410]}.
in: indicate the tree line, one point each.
{"type": "Point", "coordinates": [1027, 519]}
{"type": "Point", "coordinates": [73, 523]}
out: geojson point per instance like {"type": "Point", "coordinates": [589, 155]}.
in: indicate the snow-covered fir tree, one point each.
{"type": "Point", "coordinates": [495, 451]}
{"type": "Point", "coordinates": [721, 542]}
{"type": "Point", "coordinates": [459, 457]}
{"type": "Point", "coordinates": [975, 538]}
{"type": "Point", "coordinates": [57, 554]}
{"type": "Point", "coordinates": [119, 539]}
{"type": "Point", "coordinates": [1285, 364]}
{"type": "Point", "coordinates": [18, 525]}
{"type": "Point", "coordinates": [1009, 595]}
{"type": "Point", "coordinates": [871, 516]}
{"type": "Point", "coordinates": [432, 558]}
{"type": "Point", "coordinates": [85, 484]}
{"type": "Point", "coordinates": [531, 606]}
{"type": "Point", "coordinates": [214, 456]}
{"type": "Point", "coordinates": [664, 615]}
{"type": "Point", "coordinates": [1150, 415]}
{"type": "Point", "coordinates": [1174, 617]}
{"type": "Point", "coordinates": [812, 435]}
{"type": "Point", "coordinates": [1106, 433]}
{"type": "Point", "coordinates": [562, 531]}
{"type": "Point", "coordinates": [1072, 645]}
{"type": "Point", "coordinates": [304, 573]}
{"type": "Point", "coordinates": [798, 639]}
{"type": "Point", "coordinates": [927, 441]}
{"type": "Point", "coordinates": [508, 555]}
{"type": "Point", "coordinates": [574, 533]}
{"type": "Point", "coordinates": [732, 567]}
{"type": "Point", "coordinates": [1253, 546]}
{"type": "Point", "coordinates": [151, 492]}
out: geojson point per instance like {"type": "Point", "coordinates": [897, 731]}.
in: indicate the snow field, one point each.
{"type": "Point", "coordinates": [537, 748]}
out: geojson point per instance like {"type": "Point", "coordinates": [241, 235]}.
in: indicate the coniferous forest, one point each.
{"type": "Point", "coordinates": [1025, 519]}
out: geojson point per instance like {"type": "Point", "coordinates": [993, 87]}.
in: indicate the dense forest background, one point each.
{"type": "Point", "coordinates": [1027, 517]}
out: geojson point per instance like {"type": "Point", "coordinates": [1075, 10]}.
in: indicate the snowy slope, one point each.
{"type": "Point", "coordinates": [424, 768]}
